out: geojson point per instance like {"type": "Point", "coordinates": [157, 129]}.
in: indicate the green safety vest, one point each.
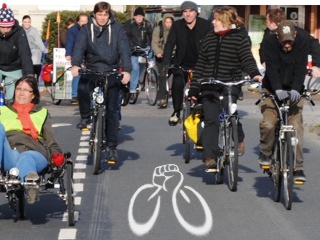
{"type": "Point", "coordinates": [10, 121]}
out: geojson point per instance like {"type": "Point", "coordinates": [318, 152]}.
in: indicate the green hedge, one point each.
{"type": "Point", "coordinates": [64, 15]}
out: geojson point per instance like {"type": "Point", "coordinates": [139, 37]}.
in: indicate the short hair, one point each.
{"type": "Point", "coordinates": [69, 22]}
{"type": "Point", "coordinates": [26, 17]}
{"type": "Point", "coordinates": [102, 6]}
{"type": "Point", "coordinates": [81, 15]}
{"type": "Point", "coordinates": [276, 15]}
{"type": "Point", "coordinates": [32, 82]}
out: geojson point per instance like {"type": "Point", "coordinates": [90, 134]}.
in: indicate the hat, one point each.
{"type": "Point", "coordinates": [286, 31]}
{"type": "Point", "coordinates": [6, 16]}
{"type": "Point", "coordinates": [138, 11]}
{"type": "Point", "coordinates": [188, 5]}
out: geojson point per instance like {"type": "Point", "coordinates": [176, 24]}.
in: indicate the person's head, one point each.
{"type": "Point", "coordinates": [286, 33]}
{"type": "Point", "coordinates": [168, 20]}
{"type": "Point", "coordinates": [26, 22]}
{"type": "Point", "coordinates": [102, 12]}
{"type": "Point", "coordinates": [138, 15]}
{"type": "Point", "coordinates": [226, 18]}
{"type": "Point", "coordinates": [273, 17]}
{"type": "Point", "coordinates": [82, 19]}
{"type": "Point", "coordinates": [6, 19]}
{"type": "Point", "coordinates": [189, 11]}
{"type": "Point", "coordinates": [69, 23]}
{"type": "Point", "coordinates": [26, 90]}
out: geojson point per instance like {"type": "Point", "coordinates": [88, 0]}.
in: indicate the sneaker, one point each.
{"type": "Point", "coordinates": [32, 189]}
{"type": "Point", "coordinates": [162, 103]}
{"type": "Point", "coordinates": [299, 176]}
{"type": "Point", "coordinates": [112, 156]}
{"type": "Point", "coordinates": [241, 148]}
{"type": "Point", "coordinates": [210, 162]}
{"type": "Point", "coordinates": [133, 98]}
{"type": "Point", "coordinates": [264, 160]}
{"type": "Point", "coordinates": [74, 101]}
{"type": "Point", "coordinates": [83, 123]}
{"type": "Point", "coordinates": [174, 119]}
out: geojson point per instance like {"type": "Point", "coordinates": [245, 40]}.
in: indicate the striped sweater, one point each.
{"type": "Point", "coordinates": [224, 58]}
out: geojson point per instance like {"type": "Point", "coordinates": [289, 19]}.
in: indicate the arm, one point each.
{"type": "Point", "coordinates": [49, 137]}
{"type": "Point", "coordinates": [38, 40]}
{"type": "Point", "coordinates": [70, 42]}
{"type": "Point", "coordinates": [156, 42]}
{"type": "Point", "coordinates": [170, 44]}
{"type": "Point", "coordinates": [24, 53]}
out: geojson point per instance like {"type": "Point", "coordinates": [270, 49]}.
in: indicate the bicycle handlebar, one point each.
{"type": "Point", "coordinates": [265, 95]}
{"type": "Point", "coordinates": [204, 81]}
{"type": "Point", "coordinates": [107, 74]}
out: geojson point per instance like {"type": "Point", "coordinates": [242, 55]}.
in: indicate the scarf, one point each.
{"type": "Point", "coordinates": [223, 32]}
{"type": "Point", "coordinates": [23, 111]}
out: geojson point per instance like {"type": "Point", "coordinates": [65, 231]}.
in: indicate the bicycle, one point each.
{"type": "Point", "coordinates": [15, 188]}
{"type": "Point", "coordinates": [97, 134]}
{"type": "Point", "coordinates": [228, 134]}
{"type": "Point", "coordinates": [150, 80]}
{"type": "Point", "coordinates": [283, 157]}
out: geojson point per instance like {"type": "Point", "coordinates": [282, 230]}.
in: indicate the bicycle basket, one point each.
{"type": "Point", "coordinates": [194, 127]}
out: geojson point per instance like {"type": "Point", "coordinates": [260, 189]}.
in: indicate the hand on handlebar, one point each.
{"type": "Point", "coordinates": [258, 78]}
{"type": "Point", "coordinates": [126, 78]}
{"type": "Point", "coordinates": [75, 71]}
{"type": "Point", "coordinates": [294, 95]}
{"type": "Point", "coordinates": [281, 94]}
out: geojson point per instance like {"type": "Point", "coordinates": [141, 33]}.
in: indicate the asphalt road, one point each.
{"type": "Point", "coordinates": [151, 179]}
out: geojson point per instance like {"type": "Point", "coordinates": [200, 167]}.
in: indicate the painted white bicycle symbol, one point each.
{"type": "Point", "coordinates": [166, 172]}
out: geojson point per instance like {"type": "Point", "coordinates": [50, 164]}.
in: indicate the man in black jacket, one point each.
{"type": "Point", "coordinates": [186, 35]}
{"type": "Point", "coordinates": [286, 58]}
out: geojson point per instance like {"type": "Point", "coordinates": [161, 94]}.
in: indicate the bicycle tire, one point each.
{"type": "Point", "coordinates": [98, 141]}
{"type": "Point", "coordinates": [92, 135]}
{"type": "Point", "coordinates": [51, 89]}
{"type": "Point", "coordinates": [233, 155]}
{"type": "Point", "coordinates": [21, 203]}
{"type": "Point", "coordinates": [287, 171]}
{"type": "Point", "coordinates": [186, 138]}
{"type": "Point", "coordinates": [70, 197]}
{"type": "Point", "coordinates": [220, 174]}
{"type": "Point", "coordinates": [151, 86]}
{"type": "Point", "coordinates": [313, 85]}
{"type": "Point", "coordinates": [276, 176]}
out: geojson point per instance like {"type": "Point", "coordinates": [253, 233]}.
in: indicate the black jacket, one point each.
{"type": "Point", "coordinates": [139, 35]}
{"type": "Point", "coordinates": [285, 70]}
{"type": "Point", "coordinates": [15, 52]}
{"type": "Point", "coordinates": [177, 37]}
{"type": "Point", "coordinates": [104, 48]}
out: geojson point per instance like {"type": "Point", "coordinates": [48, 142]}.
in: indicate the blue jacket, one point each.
{"type": "Point", "coordinates": [103, 48]}
{"type": "Point", "coordinates": [71, 38]}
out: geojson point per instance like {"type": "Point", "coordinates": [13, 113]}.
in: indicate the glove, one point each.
{"type": "Point", "coordinates": [58, 159]}
{"type": "Point", "coordinates": [282, 94]}
{"type": "Point", "coordinates": [294, 95]}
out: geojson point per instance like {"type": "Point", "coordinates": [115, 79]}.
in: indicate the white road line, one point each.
{"type": "Point", "coordinates": [81, 157]}
{"type": "Point", "coordinates": [78, 187]}
{"type": "Point", "coordinates": [85, 132]}
{"type": "Point", "coordinates": [77, 201]}
{"type": "Point", "coordinates": [84, 138]}
{"type": "Point", "coordinates": [83, 150]}
{"type": "Point", "coordinates": [80, 166]}
{"type": "Point", "coordinates": [84, 144]}
{"type": "Point", "coordinates": [79, 175]}
{"type": "Point", "coordinates": [67, 233]}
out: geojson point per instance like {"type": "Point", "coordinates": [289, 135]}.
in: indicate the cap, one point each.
{"type": "Point", "coordinates": [6, 16]}
{"type": "Point", "coordinates": [188, 5]}
{"type": "Point", "coordinates": [286, 31]}
{"type": "Point", "coordinates": [138, 11]}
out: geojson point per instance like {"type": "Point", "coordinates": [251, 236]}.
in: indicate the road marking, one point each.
{"type": "Point", "coordinates": [79, 175]}
{"type": "Point", "coordinates": [77, 201]}
{"type": "Point", "coordinates": [60, 125]}
{"type": "Point", "coordinates": [67, 233]}
{"type": "Point", "coordinates": [80, 166]}
{"type": "Point", "coordinates": [83, 150]}
{"type": "Point", "coordinates": [84, 144]}
{"type": "Point", "coordinates": [84, 138]}
{"type": "Point", "coordinates": [78, 187]}
{"type": "Point", "coordinates": [82, 158]}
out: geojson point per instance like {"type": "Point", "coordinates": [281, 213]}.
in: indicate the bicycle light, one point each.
{"type": "Point", "coordinates": [294, 141]}
{"type": "Point", "coordinates": [186, 92]}
{"type": "Point", "coordinates": [233, 108]}
{"type": "Point", "coordinates": [99, 99]}
{"type": "Point", "coordinates": [14, 172]}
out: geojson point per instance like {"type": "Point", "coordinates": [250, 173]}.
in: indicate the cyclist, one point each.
{"type": "Point", "coordinates": [286, 58]}
{"type": "Point", "coordinates": [185, 37]}
{"type": "Point", "coordinates": [15, 54]}
{"type": "Point", "coordinates": [159, 39]}
{"type": "Point", "coordinates": [224, 54]}
{"type": "Point", "coordinates": [103, 45]}
{"type": "Point", "coordinates": [26, 138]}
{"type": "Point", "coordinates": [273, 17]}
{"type": "Point", "coordinates": [139, 32]}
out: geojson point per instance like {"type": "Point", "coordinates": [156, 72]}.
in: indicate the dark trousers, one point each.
{"type": "Point", "coordinates": [162, 92]}
{"type": "Point", "coordinates": [179, 81]}
{"type": "Point", "coordinates": [86, 85]}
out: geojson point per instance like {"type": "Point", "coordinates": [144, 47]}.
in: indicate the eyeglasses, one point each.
{"type": "Point", "coordinates": [23, 90]}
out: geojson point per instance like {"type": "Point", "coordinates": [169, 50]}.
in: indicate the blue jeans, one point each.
{"type": "Point", "coordinates": [75, 82]}
{"type": "Point", "coordinates": [25, 161]}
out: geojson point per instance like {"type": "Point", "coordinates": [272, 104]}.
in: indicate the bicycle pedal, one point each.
{"type": "Point", "coordinates": [211, 170]}
{"type": "Point", "coordinates": [264, 167]}
{"type": "Point", "coordinates": [111, 162]}
{"type": "Point", "coordinates": [198, 147]}
{"type": "Point", "coordinates": [297, 182]}
{"type": "Point", "coordinates": [85, 129]}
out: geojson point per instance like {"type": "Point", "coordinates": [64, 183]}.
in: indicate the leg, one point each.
{"type": "Point", "coordinates": [7, 155]}
{"type": "Point", "coordinates": [162, 82]}
{"type": "Point", "coordinates": [9, 77]}
{"type": "Point", "coordinates": [75, 83]}
{"type": "Point", "coordinates": [30, 161]}
{"type": "Point", "coordinates": [135, 73]}
{"type": "Point", "coordinates": [85, 88]}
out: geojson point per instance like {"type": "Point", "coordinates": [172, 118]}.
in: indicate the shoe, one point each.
{"type": "Point", "coordinates": [174, 119]}
{"type": "Point", "coordinates": [299, 176]}
{"type": "Point", "coordinates": [264, 160]}
{"type": "Point", "coordinates": [241, 148]}
{"type": "Point", "coordinates": [240, 97]}
{"type": "Point", "coordinates": [210, 162]}
{"type": "Point", "coordinates": [83, 123]}
{"type": "Point", "coordinates": [112, 156]}
{"type": "Point", "coordinates": [162, 103]}
{"type": "Point", "coordinates": [32, 189]}
{"type": "Point", "coordinates": [133, 98]}
{"type": "Point", "coordinates": [74, 101]}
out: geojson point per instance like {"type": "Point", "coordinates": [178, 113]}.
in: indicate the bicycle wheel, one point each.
{"type": "Point", "coordinates": [232, 153]}
{"type": "Point", "coordinates": [185, 136]}
{"type": "Point", "coordinates": [151, 86]}
{"type": "Point", "coordinates": [97, 144]}
{"type": "Point", "coordinates": [70, 198]}
{"type": "Point", "coordinates": [52, 90]}
{"type": "Point", "coordinates": [220, 174]}
{"type": "Point", "coordinates": [92, 135]}
{"type": "Point", "coordinates": [313, 85]}
{"type": "Point", "coordinates": [287, 157]}
{"type": "Point", "coordinates": [275, 170]}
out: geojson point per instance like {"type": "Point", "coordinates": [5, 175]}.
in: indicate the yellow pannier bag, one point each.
{"type": "Point", "coordinates": [192, 126]}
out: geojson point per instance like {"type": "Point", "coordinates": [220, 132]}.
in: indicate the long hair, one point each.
{"type": "Point", "coordinates": [32, 82]}
{"type": "Point", "coordinates": [228, 16]}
